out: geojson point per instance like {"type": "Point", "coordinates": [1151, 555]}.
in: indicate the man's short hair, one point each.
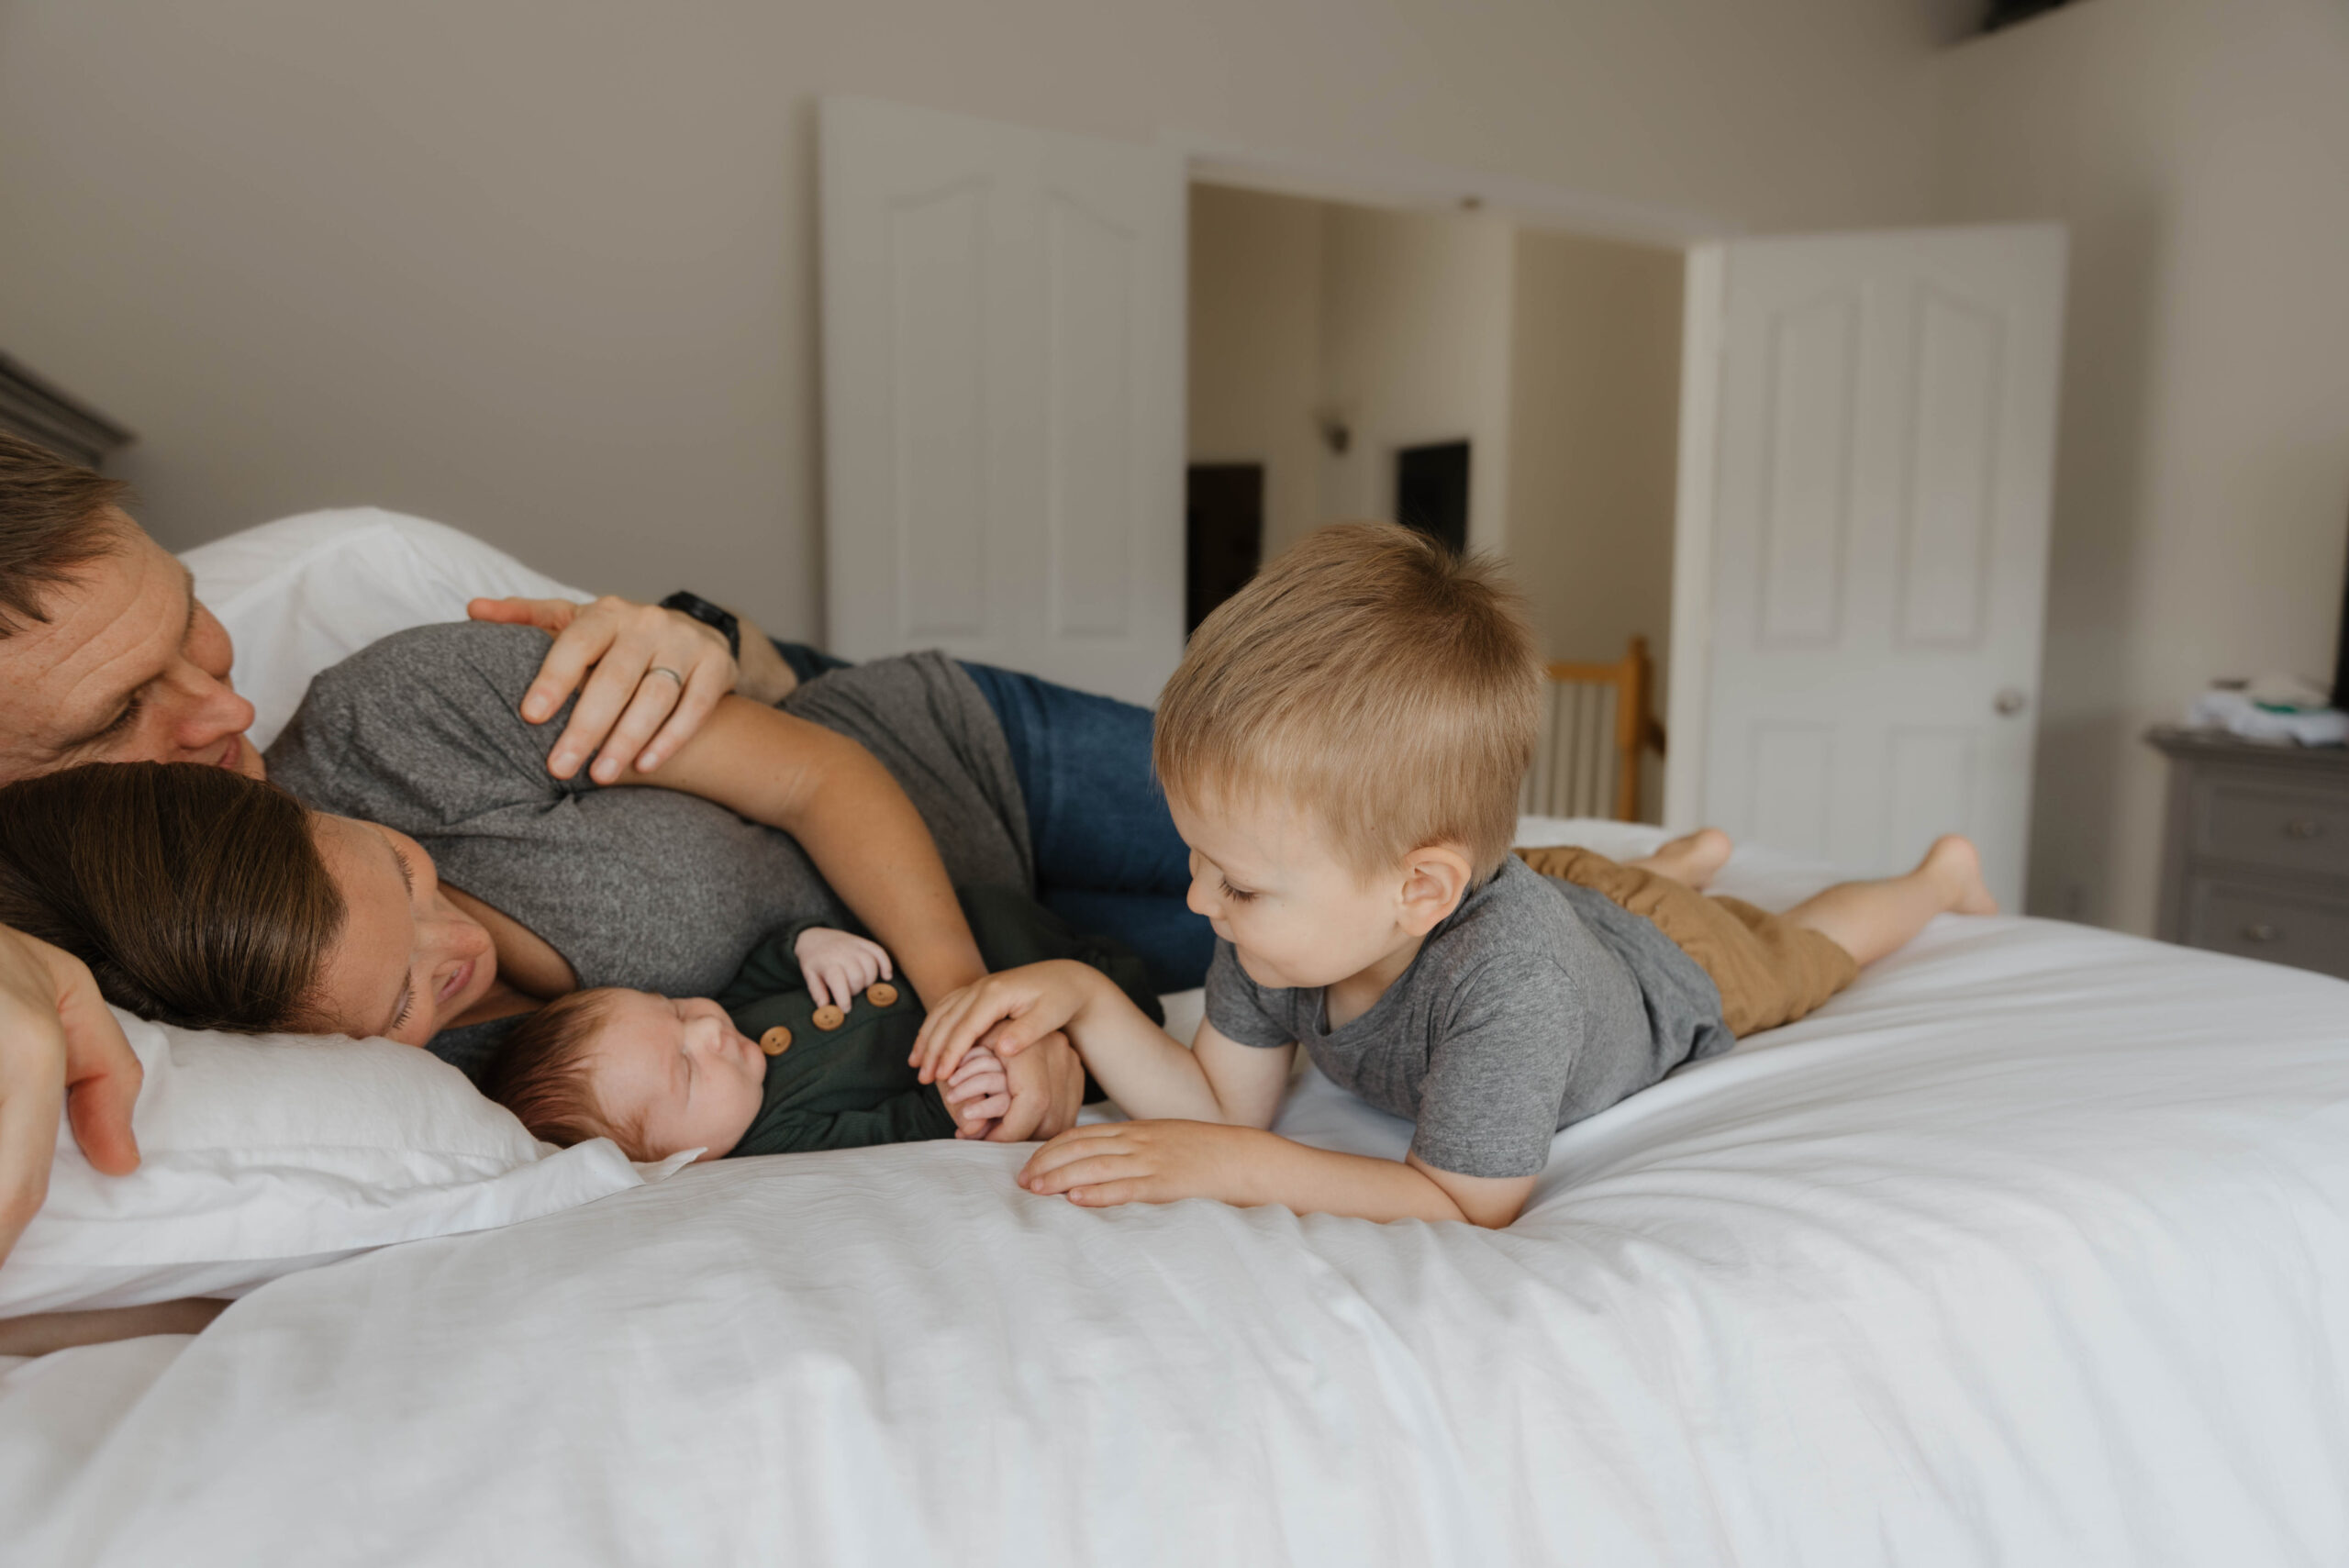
{"type": "Point", "coordinates": [1370, 678]}
{"type": "Point", "coordinates": [52, 522]}
{"type": "Point", "coordinates": [540, 1074]}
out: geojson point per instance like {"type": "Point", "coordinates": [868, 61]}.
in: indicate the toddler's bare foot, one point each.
{"type": "Point", "coordinates": [1693, 858]}
{"type": "Point", "coordinates": [1955, 865]}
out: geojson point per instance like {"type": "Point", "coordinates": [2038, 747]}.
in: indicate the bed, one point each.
{"type": "Point", "coordinates": [2034, 1247]}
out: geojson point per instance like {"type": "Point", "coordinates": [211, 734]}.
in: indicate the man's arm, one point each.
{"type": "Point", "coordinates": [1160, 1162]}
{"type": "Point", "coordinates": [58, 1045]}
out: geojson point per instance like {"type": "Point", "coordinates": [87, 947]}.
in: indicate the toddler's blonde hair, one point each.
{"type": "Point", "coordinates": [1371, 679]}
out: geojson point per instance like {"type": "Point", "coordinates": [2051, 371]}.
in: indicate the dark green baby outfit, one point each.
{"type": "Point", "coordinates": [850, 1086]}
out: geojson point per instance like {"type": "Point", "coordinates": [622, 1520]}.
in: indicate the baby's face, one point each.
{"type": "Point", "coordinates": [678, 1069]}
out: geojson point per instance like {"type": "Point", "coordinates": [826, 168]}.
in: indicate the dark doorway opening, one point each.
{"type": "Point", "coordinates": [1432, 492]}
{"type": "Point", "coordinates": [1224, 528]}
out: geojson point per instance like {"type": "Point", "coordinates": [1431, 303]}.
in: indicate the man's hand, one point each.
{"type": "Point", "coordinates": [1148, 1162]}
{"type": "Point", "coordinates": [58, 1043]}
{"type": "Point", "coordinates": [1006, 1012]}
{"type": "Point", "coordinates": [1047, 1085]}
{"type": "Point", "coordinates": [649, 665]}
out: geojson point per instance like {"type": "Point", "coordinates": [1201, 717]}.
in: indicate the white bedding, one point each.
{"type": "Point", "coordinates": [2033, 1247]}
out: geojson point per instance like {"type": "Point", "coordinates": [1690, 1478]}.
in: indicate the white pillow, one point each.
{"type": "Point", "coordinates": [304, 592]}
{"type": "Point", "coordinates": [264, 1154]}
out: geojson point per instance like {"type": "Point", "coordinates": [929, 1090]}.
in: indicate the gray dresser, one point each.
{"type": "Point", "coordinates": [2257, 860]}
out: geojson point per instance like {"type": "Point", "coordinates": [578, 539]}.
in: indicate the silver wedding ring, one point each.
{"type": "Point", "coordinates": [664, 669]}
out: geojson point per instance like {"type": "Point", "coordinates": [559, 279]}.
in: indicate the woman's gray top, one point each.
{"type": "Point", "coordinates": [635, 886]}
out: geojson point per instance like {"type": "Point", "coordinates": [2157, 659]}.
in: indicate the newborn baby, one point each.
{"type": "Point", "coordinates": [807, 1049]}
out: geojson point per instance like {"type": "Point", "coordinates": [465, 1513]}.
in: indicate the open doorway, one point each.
{"type": "Point", "coordinates": [1510, 387]}
{"type": "Point", "coordinates": [1866, 436]}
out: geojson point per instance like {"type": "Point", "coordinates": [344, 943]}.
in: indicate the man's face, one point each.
{"type": "Point", "coordinates": [128, 668]}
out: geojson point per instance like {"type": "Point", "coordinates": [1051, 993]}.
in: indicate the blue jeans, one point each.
{"type": "Point", "coordinates": [1107, 857]}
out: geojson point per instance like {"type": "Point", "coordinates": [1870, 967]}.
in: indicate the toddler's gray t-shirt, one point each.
{"type": "Point", "coordinates": [1535, 1004]}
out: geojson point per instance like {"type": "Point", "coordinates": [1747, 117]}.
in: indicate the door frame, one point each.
{"type": "Point", "coordinates": [1690, 689]}
{"type": "Point", "coordinates": [1411, 186]}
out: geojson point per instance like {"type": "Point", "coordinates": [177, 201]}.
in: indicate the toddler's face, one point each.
{"type": "Point", "coordinates": [678, 1069]}
{"type": "Point", "coordinates": [1295, 911]}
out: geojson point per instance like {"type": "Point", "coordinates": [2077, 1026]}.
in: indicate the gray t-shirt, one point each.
{"type": "Point", "coordinates": [1535, 1004]}
{"type": "Point", "coordinates": [638, 886]}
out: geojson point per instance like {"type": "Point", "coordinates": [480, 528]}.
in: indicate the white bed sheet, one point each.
{"type": "Point", "coordinates": [2032, 1248]}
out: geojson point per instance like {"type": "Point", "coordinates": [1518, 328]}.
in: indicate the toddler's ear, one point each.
{"type": "Point", "coordinates": [1435, 879]}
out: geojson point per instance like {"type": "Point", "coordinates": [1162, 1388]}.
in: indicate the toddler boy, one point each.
{"type": "Point", "coordinates": [806, 1050]}
{"type": "Point", "coordinates": [1342, 749]}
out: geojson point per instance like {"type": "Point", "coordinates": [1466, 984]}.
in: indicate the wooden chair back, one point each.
{"type": "Point", "coordinates": [1597, 722]}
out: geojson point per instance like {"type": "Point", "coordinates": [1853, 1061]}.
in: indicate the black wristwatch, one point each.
{"type": "Point", "coordinates": [702, 610]}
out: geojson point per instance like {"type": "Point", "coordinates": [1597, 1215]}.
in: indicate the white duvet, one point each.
{"type": "Point", "coordinates": [2033, 1247]}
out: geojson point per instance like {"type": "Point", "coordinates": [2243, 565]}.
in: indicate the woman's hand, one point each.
{"type": "Point", "coordinates": [1047, 1087]}
{"type": "Point", "coordinates": [650, 665]}
{"type": "Point", "coordinates": [839, 965]}
{"type": "Point", "coordinates": [58, 1043]}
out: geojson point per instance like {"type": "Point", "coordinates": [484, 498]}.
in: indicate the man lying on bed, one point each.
{"type": "Point", "coordinates": [1342, 747]}
{"type": "Point", "coordinates": [105, 655]}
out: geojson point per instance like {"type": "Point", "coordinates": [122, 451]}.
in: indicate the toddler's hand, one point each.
{"type": "Point", "coordinates": [1006, 1012]}
{"type": "Point", "coordinates": [978, 1094]}
{"type": "Point", "coordinates": [839, 966]}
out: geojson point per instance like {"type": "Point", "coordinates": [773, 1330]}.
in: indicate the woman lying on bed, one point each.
{"type": "Point", "coordinates": [470, 884]}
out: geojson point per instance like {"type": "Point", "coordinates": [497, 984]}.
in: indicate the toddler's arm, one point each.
{"type": "Point", "coordinates": [1145, 1069]}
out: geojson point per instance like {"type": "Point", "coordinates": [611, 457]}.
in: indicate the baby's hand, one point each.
{"type": "Point", "coordinates": [838, 966]}
{"type": "Point", "coordinates": [978, 1094]}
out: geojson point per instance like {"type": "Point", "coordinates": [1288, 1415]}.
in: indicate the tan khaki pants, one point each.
{"type": "Point", "coordinates": [1770, 970]}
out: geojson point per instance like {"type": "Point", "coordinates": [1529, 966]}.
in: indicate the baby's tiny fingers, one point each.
{"type": "Point", "coordinates": [989, 1110]}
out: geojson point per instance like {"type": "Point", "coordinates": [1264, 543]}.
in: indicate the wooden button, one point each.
{"type": "Point", "coordinates": [881, 993]}
{"type": "Point", "coordinates": [775, 1041]}
{"type": "Point", "coordinates": [829, 1017]}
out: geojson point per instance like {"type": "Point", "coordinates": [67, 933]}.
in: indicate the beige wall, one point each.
{"type": "Point", "coordinates": [2197, 152]}
{"type": "Point", "coordinates": [1595, 418]}
{"type": "Point", "coordinates": [1255, 347]}
{"type": "Point", "coordinates": [1395, 322]}
{"type": "Point", "coordinates": [549, 271]}
{"type": "Point", "coordinates": [1415, 345]}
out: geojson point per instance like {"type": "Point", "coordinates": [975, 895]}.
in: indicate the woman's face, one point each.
{"type": "Point", "coordinates": [407, 961]}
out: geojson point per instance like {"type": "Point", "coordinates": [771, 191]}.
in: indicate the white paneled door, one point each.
{"type": "Point", "coordinates": [1002, 377]}
{"type": "Point", "coordinates": [1867, 442]}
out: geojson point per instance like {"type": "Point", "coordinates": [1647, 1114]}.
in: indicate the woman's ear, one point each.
{"type": "Point", "coordinates": [1435, 879]}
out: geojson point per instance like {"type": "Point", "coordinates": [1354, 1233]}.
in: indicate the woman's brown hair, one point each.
{"type": "Point", "coordinates": [196, 896]}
